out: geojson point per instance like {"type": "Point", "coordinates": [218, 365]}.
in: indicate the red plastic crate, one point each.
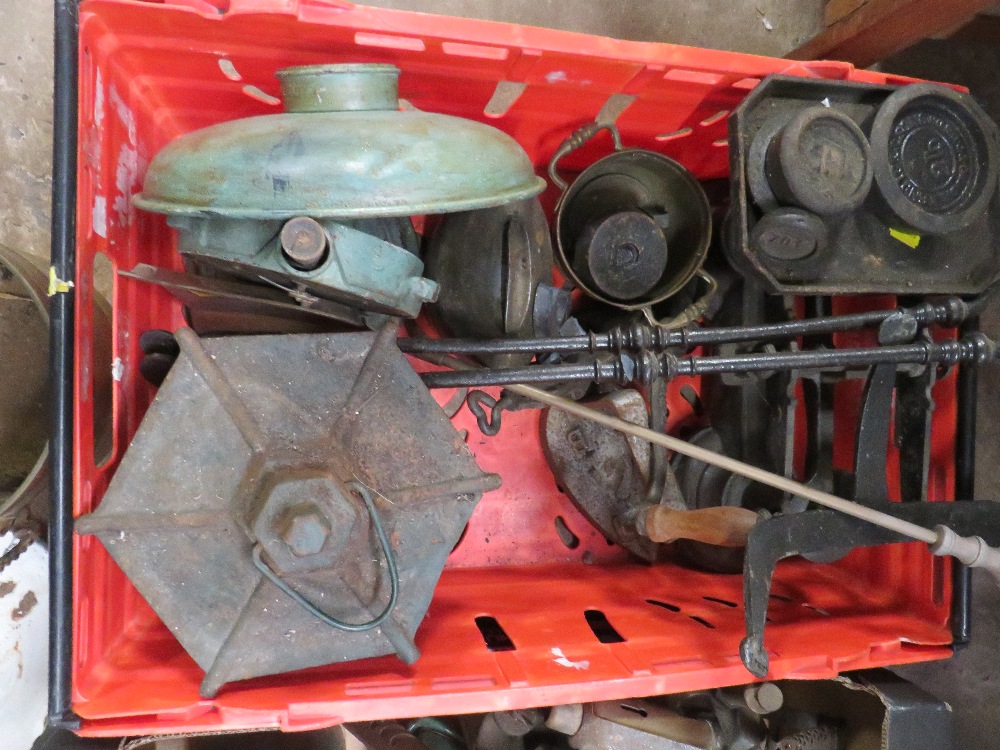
{"type": "Point", "coordinates": [150, 72]}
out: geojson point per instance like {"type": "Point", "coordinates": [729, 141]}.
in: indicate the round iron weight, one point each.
{"type": "Point", "coordinates": [636, 180]}
{"type": "Point", "coordinates": [624, 254]}
{"type": "Point", "coordinates": [935, 158]}
{"type": "Point", "coordinates": [791, 242]}
{"type": "Point", "coordinates": [788, 234]}
{"type": "Point", "coordinates": [820, 161]}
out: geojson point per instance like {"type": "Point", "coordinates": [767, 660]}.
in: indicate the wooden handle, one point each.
{"type": "Point", "coordinates": [661, 525]}
{"type": "Point", "coordinates": [722, 526]}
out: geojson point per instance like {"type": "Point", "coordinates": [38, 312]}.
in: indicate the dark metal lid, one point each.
{"type": "Point", "coordinates": [935, 158]}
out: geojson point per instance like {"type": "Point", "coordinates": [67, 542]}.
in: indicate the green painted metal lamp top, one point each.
{"type": "Point", "coordinates": [342, 149]}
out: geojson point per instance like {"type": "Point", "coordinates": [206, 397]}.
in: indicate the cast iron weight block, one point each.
{"type": "Point", "coordinates": [819, 161]}
{"type": "Point", "coordinates": [935, 159]}
{"type": "Point", "coordinates": [929, 222]}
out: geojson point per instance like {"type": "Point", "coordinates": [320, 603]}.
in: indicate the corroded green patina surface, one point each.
{"type": "Point", "coordinates": [343, 150]}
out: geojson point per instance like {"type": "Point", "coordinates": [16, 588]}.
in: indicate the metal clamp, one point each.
{"type": "Point", "coordinates": [820, 532]}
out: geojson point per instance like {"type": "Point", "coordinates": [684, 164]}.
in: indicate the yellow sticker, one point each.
{"type": "Point", "coordinates": [911, 240]}
{"type": "Point", "coordinates": [57, 285]}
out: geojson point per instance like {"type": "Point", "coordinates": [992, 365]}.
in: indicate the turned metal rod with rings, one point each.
{"type": "Point", "coordinates": [948, 312]}
{"type": "Point", "coordinates": [644, 367]}
{"type": "Point", "coordinates": [315, 611]}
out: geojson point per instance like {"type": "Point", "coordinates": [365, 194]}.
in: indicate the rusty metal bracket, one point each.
{"type": "Point", "coordinates": [220, 305]}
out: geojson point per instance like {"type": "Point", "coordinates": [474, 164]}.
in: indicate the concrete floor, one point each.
{"type": "Point", "coordinates": [765, 27]}
{"type": "Point", "coordinates": [971, 680]}
{"type": "Point", "coordinates": [762, 27]}
{"type": "Point", "coordinates": [26, 126]}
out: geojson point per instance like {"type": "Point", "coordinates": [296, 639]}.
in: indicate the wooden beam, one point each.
{"type": "Point", "coordinates": [880, 28]}
{"type": "Point", "coordinates": [836, 10]}
{"type": "Point", "coordinates": [980, 30]}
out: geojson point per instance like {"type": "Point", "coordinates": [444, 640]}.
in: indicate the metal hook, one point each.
{"type": "Point", "coordinates": [479, 402]}
{"type": "Point", "coordinates": [692, 312]}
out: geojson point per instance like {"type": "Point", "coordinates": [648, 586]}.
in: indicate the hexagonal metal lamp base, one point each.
{"type": "Point", "coordinates": [250, 443]}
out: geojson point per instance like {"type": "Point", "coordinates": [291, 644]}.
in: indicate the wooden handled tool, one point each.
{"type": "Point", "coordinates": [722, 526]}
{"type": "Point", "coordinates": [972, 551]}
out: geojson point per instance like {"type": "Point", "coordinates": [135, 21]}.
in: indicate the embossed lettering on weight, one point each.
{"type": "Point", "coordinates": [931, 161]}
{"type": "Point", "coordinates": [787, 245]}
{"type": "Point", "coordinates": [833, 161]}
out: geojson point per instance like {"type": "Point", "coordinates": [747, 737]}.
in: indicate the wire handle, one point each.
{"type": "Point", "coordinates": [692, 312]}
{"type": "Point", "coordinates": [577, 139]}
{"type": "Point", "coordinates": [310, 607]}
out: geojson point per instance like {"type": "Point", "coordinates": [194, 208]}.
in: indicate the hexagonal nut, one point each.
{"type": "Point", "coordinates": [305, 530]}
{"type": "Point", "coordinates": [306, 520]}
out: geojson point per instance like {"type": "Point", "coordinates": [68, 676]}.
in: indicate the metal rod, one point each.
{"type": "Point", "coordinates": [972, 551]}
{"type": "Point", "coordinates": [965, 487]}
{"type": "Point", "coordinates": [627, 369]}
{"type": "Point", "coordinates": [726, 463]}
{"type": "Point", "coordinates": [811, 360]}
{"type": "Point", "coordinates": [62, 311]}
{"type": "Point", "coordinates": [564, 345]}
{"type": "Point", "coordinates": [539, 374]}
{"type": "Point", "coordinates": [948, 312]}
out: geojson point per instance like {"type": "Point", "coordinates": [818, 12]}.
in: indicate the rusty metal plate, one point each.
{"type": "Point", "coordinates": [253, 443]}
{"type": "Point", "coordinates": [604, 472]}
